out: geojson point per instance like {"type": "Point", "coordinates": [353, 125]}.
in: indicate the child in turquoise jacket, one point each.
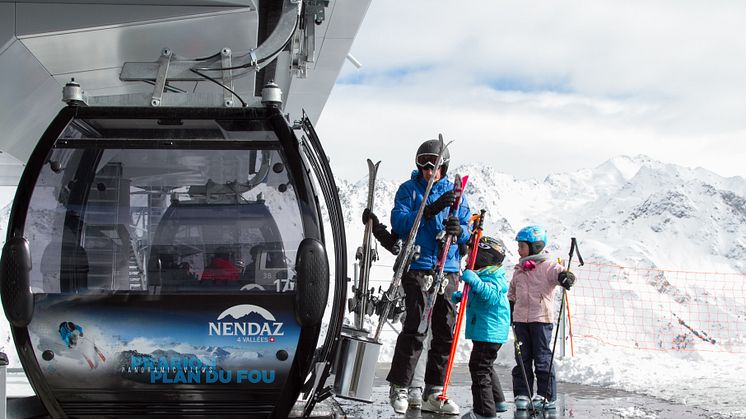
{"type": "Point", "coordinates": [487, 324]}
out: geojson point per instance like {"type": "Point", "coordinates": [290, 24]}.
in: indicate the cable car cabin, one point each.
{"type": "Point", "coordinates": [172, 262]}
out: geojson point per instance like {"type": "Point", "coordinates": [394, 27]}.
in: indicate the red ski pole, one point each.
{"type": "Point", "coordinates": [477, 221]}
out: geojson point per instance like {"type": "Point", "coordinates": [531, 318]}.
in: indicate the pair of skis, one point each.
{"type": "Point", "coordinates": [477, 222]}
{"type": "Point", "coordinates": [100, 355]}
{"type": "Point", "coordinates": [438, 286]}
{"type": "Point", "coordinates": [404, 258]}
{"type": "Point", "coordinates": [366, 255]}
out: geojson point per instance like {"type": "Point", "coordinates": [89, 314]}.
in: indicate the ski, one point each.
{"type": "Point", "coordinates": [404, 258]}
{"type": "Point", "coordinates": [88, 360]}
{"type": "Point", "coordinates": [477, 221]}
{"type": "Point", "coordinates": [459, 184]}
{"type": "Point", "coordinates": [365, 254]}
{"type": "Point", "coordinates": [99, 353]}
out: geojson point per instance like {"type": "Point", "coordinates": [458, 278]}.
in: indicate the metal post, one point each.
{"type": "Point", "coordinates": [3, 384]}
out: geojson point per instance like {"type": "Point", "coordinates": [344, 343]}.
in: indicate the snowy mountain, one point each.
{"type": "Point", "coordinates": [628, 211]}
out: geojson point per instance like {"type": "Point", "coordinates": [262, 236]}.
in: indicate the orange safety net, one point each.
{"type": "Point", "coordinates": [663, 310]}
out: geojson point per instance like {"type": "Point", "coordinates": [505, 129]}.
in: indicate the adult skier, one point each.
{"type": "Point", "coordinates": [418, 280]}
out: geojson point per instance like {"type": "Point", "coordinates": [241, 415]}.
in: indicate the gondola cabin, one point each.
{"type": "Point", "coordinates": [172, 261]}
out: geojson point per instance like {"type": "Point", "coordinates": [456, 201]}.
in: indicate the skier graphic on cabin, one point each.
{"type": "Point", "coordinates": [71, 334]}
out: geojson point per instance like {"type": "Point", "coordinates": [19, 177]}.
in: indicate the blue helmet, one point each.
{"type": "Point", "coordinates": [535, 236]}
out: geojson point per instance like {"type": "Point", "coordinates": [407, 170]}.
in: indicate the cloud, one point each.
{"type": "Point", "coordinates": [562, 84]}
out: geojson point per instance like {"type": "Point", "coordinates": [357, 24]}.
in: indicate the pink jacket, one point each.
{"type": "Point", "coordinates": [533, 292]}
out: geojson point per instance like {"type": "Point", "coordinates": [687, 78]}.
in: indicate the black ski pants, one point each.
{"type": "Point", "coordinates": [409, 344]}
{"type": "Point", "coordinates": [537, 354]}
{"type": "Point", "coordinates": [485, 386]}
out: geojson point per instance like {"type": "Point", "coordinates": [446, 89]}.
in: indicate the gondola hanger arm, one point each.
{"type": "Point", "coordinates": [183, 68]}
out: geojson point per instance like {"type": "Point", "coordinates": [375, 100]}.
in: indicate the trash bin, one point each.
{"type": "Point", "coordinates": [3, 367]}
{"type": "Point", "coordinates": [356, 367]}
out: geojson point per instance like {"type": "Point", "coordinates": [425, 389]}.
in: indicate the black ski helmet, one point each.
{"type": "Point", "coordinates": [432, 148]}
{"type": "Point", "coordinates": [491, 252]}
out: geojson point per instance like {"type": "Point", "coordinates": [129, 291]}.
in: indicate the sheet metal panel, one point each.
{"type": "Point", "coordinates": [108, 48]}
{"type": "Point", "coordinates": [185, 3]}
{"type": "Point", "coordinates": [7, 25]}
{"type": "Point", "coordinates": [334, 40]}
{"type": "Point", "coordinates": [351, 14]}
{"type": "Point", "coordinates": [38, 19]}
{"type": "Point", "coordinates": [29, 100]}
{"type": "Point", "coordinates": [312, 93]}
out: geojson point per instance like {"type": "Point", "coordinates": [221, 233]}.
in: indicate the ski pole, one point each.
{"type": "Point", "coordinates": [519, 355]}
{"type": "Point", "coordinates": [478, 222]}
{"type": "Point", "coordinates": [573, 250]}
{"type": "Point", "coordinates": [569, 322]}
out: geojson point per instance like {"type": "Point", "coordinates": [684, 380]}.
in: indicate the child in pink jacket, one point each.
{"type": "Point", "coordinates": [531, 293]}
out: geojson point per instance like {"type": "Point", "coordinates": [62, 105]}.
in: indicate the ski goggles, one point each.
{"type": "Point", "coordinates": [427, 161]}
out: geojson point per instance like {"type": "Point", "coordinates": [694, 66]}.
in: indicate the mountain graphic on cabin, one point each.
{"type": "Point", "coordinates": [243, 310]}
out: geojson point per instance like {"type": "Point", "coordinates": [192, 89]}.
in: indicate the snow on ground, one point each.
{"type": "Point", "coordinates": [710, 380]}
{"type": "Point", "coordinates": [633, 412]}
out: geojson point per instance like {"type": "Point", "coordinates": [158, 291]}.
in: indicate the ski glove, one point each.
{"type": "Point", "coordinates": [566, 279]}
{"type": "Point", "coordinates": [445, 201]}
{"type": "Point", "coordinates": [456, 296]}
{"type": "Point", "coordinates": [369, 215]}
{"type": "Point", "coordinates": [470, 277]}
{"type": "Point", "coordinates": [453, 226]}
{"type": "Point", "coordinates": [512, 307]}
{"type": "Point", "coordinates": [388, 240]}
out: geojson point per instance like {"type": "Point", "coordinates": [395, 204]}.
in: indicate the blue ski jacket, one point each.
{"type": "Point", "coordinates": [66, 334]}
{"type": "Point", "coordinates": [406, 204]}
{"type": "Point", "coordinates": [488, 309]}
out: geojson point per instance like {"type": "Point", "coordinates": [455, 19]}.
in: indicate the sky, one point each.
{"type": "Point", "coordinates": [534, 88]}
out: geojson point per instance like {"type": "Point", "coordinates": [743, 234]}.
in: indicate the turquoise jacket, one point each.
{"type": "Point", "coordinates": [488, 310]}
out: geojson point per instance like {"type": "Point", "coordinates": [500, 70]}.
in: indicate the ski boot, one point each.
{"type": "Point", "coordinates": [398, 398]}
{"type": "Point", "coordinates": [501, 407]}
{"type": "Point", "coordinates": [541, 403]}
{"type": "Point", "coordinates": [415, 397]}
{"type": "Point", "coordinates": [431, 402]}
{"type": "Point", "coordinates": [521, 402]}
